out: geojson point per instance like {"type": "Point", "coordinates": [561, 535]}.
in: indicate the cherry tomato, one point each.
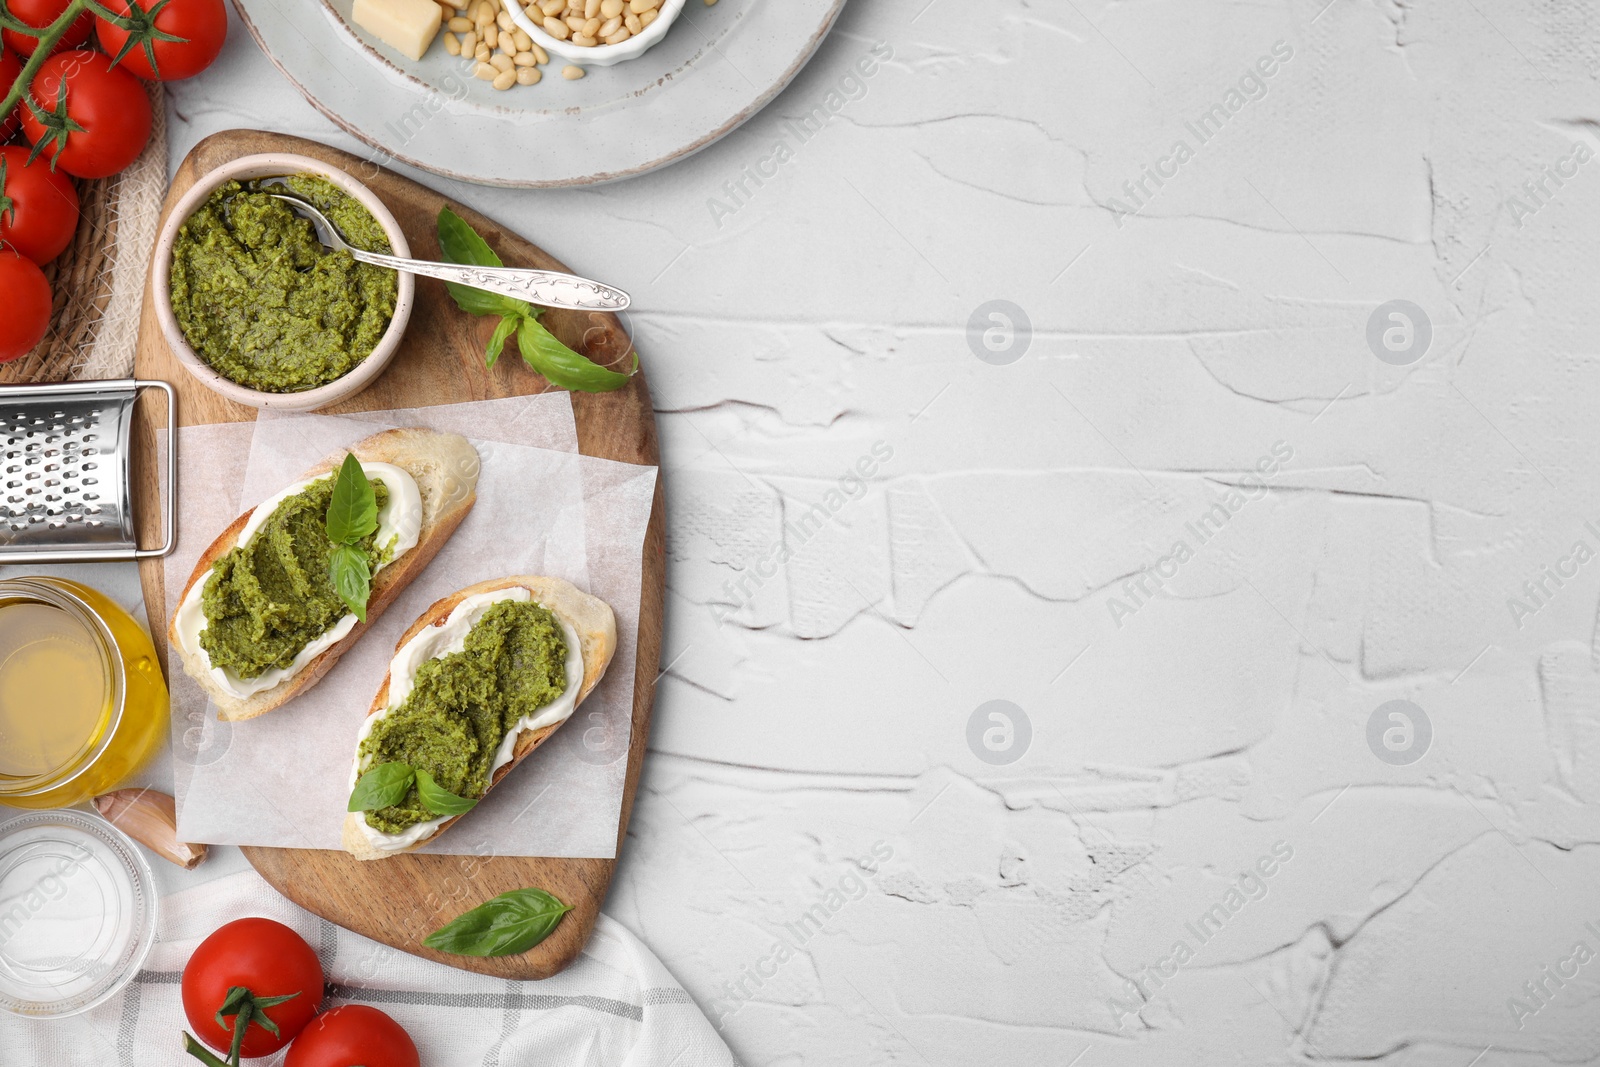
{"type": "Point", "coordinates": [110, 106]}
{"type": "Point", "coordinates": [265, 957]}
{"type": "Point", "coordinates": [353, 1034]}
{"type": "Point", "coordinates": [203, 25]}
{"type": "Point", "coordinates": [10, 71]}
{"type": "Point", "coordinates": [38, 206]}
{"type": "Point", "coordinates": [39, 14]}
{"type": "Point", "coordinates": [27, 304]}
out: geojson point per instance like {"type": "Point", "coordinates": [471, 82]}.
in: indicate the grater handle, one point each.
{"type": "Point", "coordinates": [169, 514]}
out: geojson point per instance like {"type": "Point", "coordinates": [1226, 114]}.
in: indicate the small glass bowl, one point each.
{"type": "Point", "coordinates": [77, 913]}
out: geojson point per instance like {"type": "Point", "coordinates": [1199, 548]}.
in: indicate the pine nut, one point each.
{"type": "Point", "coordinates": [482, 54]}
{"type": "Point", "coordinates": [528, 75]}
{"type": "Point", "coordinates": [500, 62]}
{"type": "Point", "coordinates": [485, 72]}
{"type": "Point", "coordinates": [524, 59]}
{"type": "Point", "coordinates": [469, 43]}
{"type": "Point", "coordinates": [460, 25]}
{"type": "Point", "coordinates": [571, 73]}
{"type": "Point", "coordinates": [452, 44]}
{"type": "Point", "coordinates": [586, 23]}
{"type": "Point", "coordinates": [505, 80]}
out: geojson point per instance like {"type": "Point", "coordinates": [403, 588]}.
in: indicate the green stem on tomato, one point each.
{"type": "Point", "coordinates": [8, 21]}
{"type": "Point", "coordinates": [48, 38]}
{"type": "Point", "coordinates": [241, 1023]}
{"type": "Point", "coordinates": [200, 1052]}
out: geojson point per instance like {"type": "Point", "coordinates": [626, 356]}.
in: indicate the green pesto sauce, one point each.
{"type": "Point", "coordinates": [264, 303]}
{"type": "Point", "coordinates": [267, 600]}
{"type": "Point", "coordinates": [463, 705]}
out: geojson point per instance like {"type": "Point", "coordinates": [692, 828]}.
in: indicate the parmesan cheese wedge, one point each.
{"type": "Point", "coordinates": [408, 26]}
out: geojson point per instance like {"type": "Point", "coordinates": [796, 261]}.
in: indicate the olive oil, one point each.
{"type": "Point", "coordinates": [82, 700]}
{"type": "Point", "coordinates": [55, 696]}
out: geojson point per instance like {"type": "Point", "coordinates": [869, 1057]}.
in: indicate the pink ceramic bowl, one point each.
{"type": "Point", "coordinates": [267, 165]}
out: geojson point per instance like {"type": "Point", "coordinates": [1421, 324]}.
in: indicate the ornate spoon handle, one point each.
{"type": "Point", "coordinates": [546, 288]}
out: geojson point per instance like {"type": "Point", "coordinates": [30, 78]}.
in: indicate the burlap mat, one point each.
{"type": "Point", "coordinates": [99, 281]}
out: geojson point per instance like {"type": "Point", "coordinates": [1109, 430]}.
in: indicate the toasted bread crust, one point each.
{"type": "Point", "coordinates": [589, 616]}
{"type": "Point", "coordinates": [445, 467]}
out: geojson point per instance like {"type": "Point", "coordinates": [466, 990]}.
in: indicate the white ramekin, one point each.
{"type": "Point", "coordinates": [268, 165]}
{"type": "Point", "coordinates": [603, 55]}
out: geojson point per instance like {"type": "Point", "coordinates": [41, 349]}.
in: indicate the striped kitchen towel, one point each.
{"type": "Point", "coordinates": [615, 1005]}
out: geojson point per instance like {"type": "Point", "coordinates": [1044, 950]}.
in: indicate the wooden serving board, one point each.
{"type": "Point", "coordinates": [401, 900]}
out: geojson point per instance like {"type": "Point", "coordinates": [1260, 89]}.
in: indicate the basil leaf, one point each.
{"type": "Point", "coordinates": [563, 367]}
{"type": "Point", "coordinates": [352, 578]}
{"type": "Point", "coordinates": [439, 800]}
{"type": "Point", "coordinates": [382, 786]}
{"type": "Point", "coordinates": [353, 511]}
{"type": "Point", "coordinates": [477, 302]}
{"type": "Point", "coordinates": [510, 923]}
{"type": "Point", "coordinates": [460, 243]}
{"type": "Point", "coordinates": [497, 343]}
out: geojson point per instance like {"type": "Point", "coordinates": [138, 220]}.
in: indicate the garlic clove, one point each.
{"type": "Point", "coordinates": [150, 818]}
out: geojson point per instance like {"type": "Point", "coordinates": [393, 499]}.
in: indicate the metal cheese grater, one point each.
{"type": "Point", "coordinates": [66, 487]}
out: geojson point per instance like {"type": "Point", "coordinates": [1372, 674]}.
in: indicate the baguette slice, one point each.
{"type": "Point", "coordinates": [445, 467]}
{"type": "Point", "coordinates": [589, 616]}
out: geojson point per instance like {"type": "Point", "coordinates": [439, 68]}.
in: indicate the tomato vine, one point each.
{"type": "Point", "coordinates": [48, 37]}
{"type": "Point", "coordinates": [139, 23]}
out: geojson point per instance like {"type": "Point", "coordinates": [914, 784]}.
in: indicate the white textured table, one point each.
{"type": "Point", "coordinates": [1196, 717]}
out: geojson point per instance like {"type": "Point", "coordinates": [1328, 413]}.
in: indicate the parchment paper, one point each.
{"type": "Point", "coordinates": [282, 779]}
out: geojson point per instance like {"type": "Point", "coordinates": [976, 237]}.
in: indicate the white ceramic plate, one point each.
{"type": "Point", "coordinates": [716, 67]}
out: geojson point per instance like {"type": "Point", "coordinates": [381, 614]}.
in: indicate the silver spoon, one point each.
{"type": "Point", "coordinates": [547, 288]}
